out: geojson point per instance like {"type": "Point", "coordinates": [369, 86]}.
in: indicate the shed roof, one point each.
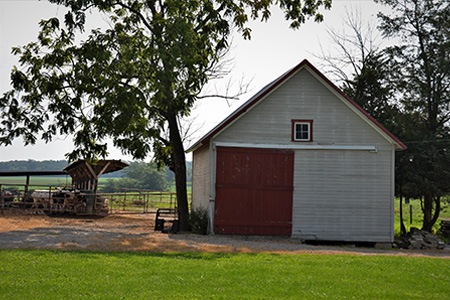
{"type": "Point", "coordinates": [265, 91]}
{"type": "Point", "coordinates": [83, 170]}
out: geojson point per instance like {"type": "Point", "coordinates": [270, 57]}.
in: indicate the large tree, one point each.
{"type": "Point", "coordinates": [358, 62]}
{"type": "Point", "coordinates": [364, 71]}
{"type": "Point", "coordinates": [132, 82]}
{"type": "Point", "coordinates": [389, 84]}
{"type": "Point", "coordinates": [422, 81]}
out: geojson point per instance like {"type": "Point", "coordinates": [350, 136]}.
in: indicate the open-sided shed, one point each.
{"type": "Point", "coordinates": [85, 174]}
{"type": "Point", "coordinates": [299, 159]}
{"type": "Point", "coordinates": [79, 198]}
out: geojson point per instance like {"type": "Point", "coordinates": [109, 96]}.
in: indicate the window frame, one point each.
{"type": "Point", "coordinates": [302, 122]}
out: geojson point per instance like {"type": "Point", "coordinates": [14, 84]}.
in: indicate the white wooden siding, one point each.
{"type": "Point", "coordinates": [302, 97]}
{"type": "Point", "coordinates": [343, 195]}
{"type": "Point", "coordinates": [339, 193]}
{"type": "Point", "coordinates": [201, 177]}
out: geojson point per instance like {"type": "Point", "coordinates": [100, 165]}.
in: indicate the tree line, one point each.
{"type": "Point", "coordinates": [406, 87]}
{"type": "Point", "coordinates": [43, 165]}
{"type": "Point", "coordinates": [33, 165]}
{"type": "Point", "coordinates": [145, 176]}
{"type": "Point", "coordinates": [137, 176]}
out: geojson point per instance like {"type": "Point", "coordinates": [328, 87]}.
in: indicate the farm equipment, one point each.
{"type": "Point", "coordinates": [167, 215]}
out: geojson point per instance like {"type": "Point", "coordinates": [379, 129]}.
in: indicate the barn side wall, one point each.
{"type": "Point", "coordinates": [201, 177]}
{"type": "Point", "coordinates": [338, 194]}
{"type": "Point", "coordinates": [343, 195]}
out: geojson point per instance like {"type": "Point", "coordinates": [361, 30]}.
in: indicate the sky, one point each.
{"type": "Point", "coordinates": [273, 49]}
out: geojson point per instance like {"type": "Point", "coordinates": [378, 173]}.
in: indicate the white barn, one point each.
{"type": "Point", "coordinates": [298, 159]}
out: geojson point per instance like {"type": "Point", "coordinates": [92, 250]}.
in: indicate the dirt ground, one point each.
{"type": "Point", "coordinates": [135, 232]}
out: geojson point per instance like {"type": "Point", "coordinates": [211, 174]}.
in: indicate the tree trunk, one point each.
{"type": "Point", "coordinates": [437, 210]}
{"type": "Point", "coordinates": [179, 168]}
{"type": "Point", "coordinates": [402, 224]}
{"type": "Point", "coordinates": [429, 218]}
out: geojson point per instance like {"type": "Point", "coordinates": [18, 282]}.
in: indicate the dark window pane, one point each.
{"type": "Point", "coordinates": [302, 131]}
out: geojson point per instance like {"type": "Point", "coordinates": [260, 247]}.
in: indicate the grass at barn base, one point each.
{"type": "Point", "coordinates": [92, 275]}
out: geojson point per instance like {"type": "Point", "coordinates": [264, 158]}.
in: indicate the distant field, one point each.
{"type": "Point", "coordinates": [59, 181]}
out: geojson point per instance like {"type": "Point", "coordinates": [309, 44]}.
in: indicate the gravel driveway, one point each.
{"type": "Point", "coordinates": [135, 233]}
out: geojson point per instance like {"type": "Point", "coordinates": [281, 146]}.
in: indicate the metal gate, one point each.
{"type": "Point", "coordinates": [254, 191]}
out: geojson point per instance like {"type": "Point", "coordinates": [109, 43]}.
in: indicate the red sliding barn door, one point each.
{"type": "Point", "coordinates": [254, 191]}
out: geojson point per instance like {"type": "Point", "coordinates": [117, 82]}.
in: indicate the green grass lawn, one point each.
{"type": "Point", "coordinates": [92, 275]}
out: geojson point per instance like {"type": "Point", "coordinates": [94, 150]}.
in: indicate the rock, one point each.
{"type": "Point", "coordinates": [445, 228]}
{"type": "Point", "coordinates": [415, 245]}
{"type": "Point", "coordinates": [441, 245]}
{"type": "Point", "coordinates": [418, 239]}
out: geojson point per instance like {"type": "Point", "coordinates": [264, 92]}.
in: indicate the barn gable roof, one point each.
{"type": "Point", "coordinates": [272, 86]}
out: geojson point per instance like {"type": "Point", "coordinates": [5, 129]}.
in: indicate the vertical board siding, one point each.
{"type": "Point", "coordinates": [342, 195]}
{"type": "Point", "coordinates": [253, 191]}
{"type": "Point", "coordinates": [201, 177]}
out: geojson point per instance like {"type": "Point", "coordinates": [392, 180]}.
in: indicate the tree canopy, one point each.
{"type": "Point", "coordinates": [422, 82]}
{"type": "Point", "coordinates": [406, 87]}
{"type": "Point", "coordinates": [131, 82]}
{"type": "Point", "coordinates": [139, 176]}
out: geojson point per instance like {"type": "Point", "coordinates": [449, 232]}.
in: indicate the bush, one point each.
{"type": "Point", "coordinates": [199, 220]}
{"type": "Point", "coordinates": [444, 231]}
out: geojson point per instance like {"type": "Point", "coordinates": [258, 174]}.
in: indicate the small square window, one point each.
{"type": "Point", "coordinates": [302, 130]}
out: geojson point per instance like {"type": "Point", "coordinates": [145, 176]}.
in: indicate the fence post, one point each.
{"type": "Point", "coordinates": [1, 198]}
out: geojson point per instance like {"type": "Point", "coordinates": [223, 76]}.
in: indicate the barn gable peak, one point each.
{"type": "Point", "coordinates": [275, 84]}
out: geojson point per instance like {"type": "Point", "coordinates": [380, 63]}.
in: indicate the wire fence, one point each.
{"type": "Point", "coordinates": [139, 202]}
{"type": "Point", "coordinates": [50, 199]}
